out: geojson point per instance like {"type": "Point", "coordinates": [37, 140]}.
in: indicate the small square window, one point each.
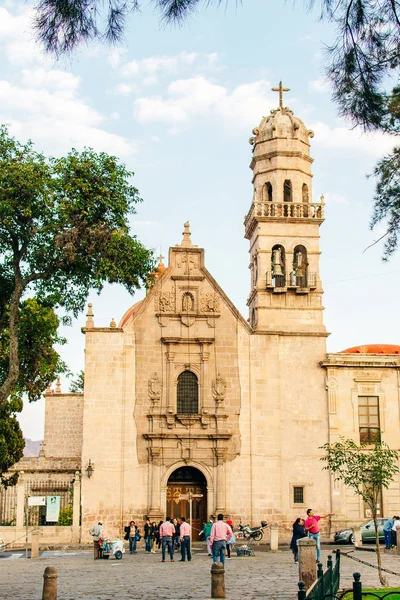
{"type": "Point", "coordinates": [298, 494]}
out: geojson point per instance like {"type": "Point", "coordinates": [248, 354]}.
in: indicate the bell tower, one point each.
{"type": "Point", "coordinates": [282, 227]}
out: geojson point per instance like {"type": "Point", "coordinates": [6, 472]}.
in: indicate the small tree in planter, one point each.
{"type": "Point", "coordinates": [365, 469]}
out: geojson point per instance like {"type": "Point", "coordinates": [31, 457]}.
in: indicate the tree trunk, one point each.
{"type": "Point", "coordinates": [13, 330]}
{"type": "Point", "coordinates": [383, 580]}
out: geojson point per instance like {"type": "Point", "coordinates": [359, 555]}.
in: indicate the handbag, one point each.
{"type": "Point", "coordinates": [126, 536]}
{"type": "Point", "coordinates": [138, 537]}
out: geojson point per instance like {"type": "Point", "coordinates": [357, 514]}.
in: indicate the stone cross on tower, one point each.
{"type": "Point", "coordinates": [280, 89]}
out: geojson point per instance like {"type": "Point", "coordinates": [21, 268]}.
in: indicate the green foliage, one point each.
{"type": "Point", "coordinates": [65, 517]}
{"type": "Point", "coordinates": [39, 363]}
{"type": "Point", "coordinates": [63, 25]}
{"type": "Point", "coordinates": [78, 384]}
{"type": "Point", "coordinates": [364, 469]}
{"type": "Point", "coordinates": [387, 199]}
{"type": "Point", "coordinates": [63, 232]}
{"type": "Point", "coordinates": [11, 440]}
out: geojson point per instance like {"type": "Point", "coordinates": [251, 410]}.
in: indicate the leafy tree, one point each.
{"type": "Point", "coordinates": [78, 384]}
{"type": "Point", "coordinates": [365, 470]}
{"type": "Point", "coordinates": [11, 440]}
{"type": "Point", "coordinates": [63, 231]}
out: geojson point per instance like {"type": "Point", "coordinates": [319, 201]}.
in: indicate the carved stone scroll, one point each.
{"type": "Point", "coordinates": [209, 303]}
{"type": "Point", "coordinates": [164, 302]}
{"type": "Point", "coordinates": [155, 388]}
{"type": "Point", "coordinates": [219, 388]}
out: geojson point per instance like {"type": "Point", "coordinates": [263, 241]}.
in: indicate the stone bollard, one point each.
{"type": "Point", "coordinates": [35, 544]}
{"type": "Point", "coordinates": [217, 580]}
{"type": "Point", "coordinates": [357, 536]}
{"type": "Point", "coordinates": [273, 540]}
{"type": "Point", "coordinates": [307, 560]}
{"type": "Point", "coordinates": [50, 584]}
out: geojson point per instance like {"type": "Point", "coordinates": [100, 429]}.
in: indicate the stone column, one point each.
{"type": "Point", "coordinates": [35, 544]}
{"type": "Point", "coordinates": [274, 535]}
{"type": "Point", "coordinates": [307, 561]}
{"type": "Point", "coordinates": [357, 536]}
{"type": "Point", "coordinates": [50, 584]}
{"type": "Point", "coordinates": [76, 509]}
{"type": "Point", "coordinates": [220, 487]}
{"type": "Point", "coordinates": [217, 580]}
{"type": "Point", "coordinates": [155, 511]}
{"type": "Point", "coordinates": [20, 500]}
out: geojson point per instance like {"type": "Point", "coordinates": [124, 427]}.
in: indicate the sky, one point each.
{"type": "Point", "coordinates": [177, 105]}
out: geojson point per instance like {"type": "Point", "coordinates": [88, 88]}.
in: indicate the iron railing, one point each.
{"type": "Point", "coordinates": [291, 280]}
{"type": "Point", "coordinates": [326, 584]}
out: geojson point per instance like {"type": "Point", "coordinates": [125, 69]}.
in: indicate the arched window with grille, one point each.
{"type": "Point", "coordinates": [187, 401]}
{"type": "Point", "coordinates": [287, 191]}
{"type": "Point", "coordinates": [267, 192]}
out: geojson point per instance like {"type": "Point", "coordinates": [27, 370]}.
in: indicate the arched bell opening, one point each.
{"type": "Point", "coordinates": [278, 266]}
{"type": "Point", "coordinates": [185, 483]}
{"type": "Point", "coordinates": [300, 266]}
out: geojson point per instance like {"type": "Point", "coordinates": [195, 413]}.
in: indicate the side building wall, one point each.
{"type": "Point", "coordinates": [63, 426]}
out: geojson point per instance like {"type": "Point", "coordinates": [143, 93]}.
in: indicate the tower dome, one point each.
{"type": "Point", "coordinates": [281, 123]}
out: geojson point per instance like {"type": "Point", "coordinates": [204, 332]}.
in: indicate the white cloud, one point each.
{"type": "Point", "coordinates": [321, 86]}
{"type": "Point", "coordinates": [189, 98]}
{"type": "Point", "coordinates": [351, 139]}
{"type": "Point", "coordinates": [151, 68]}
{"type": "Point", "coordinates": [44, 103]}
{"type": "Point", "coordinates": [115, 56]}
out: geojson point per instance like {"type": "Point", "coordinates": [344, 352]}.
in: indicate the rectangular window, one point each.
{"type": "Point", "coordinates": [298, 494]}
{"type": "Point", "coordinates": [368, 419]}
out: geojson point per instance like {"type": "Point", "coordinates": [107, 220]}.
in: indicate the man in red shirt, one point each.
{"type": "Point", "coordinates": [312, 527]}
{"type": "Point", "coordinates": [167, 532]}
{"type": "Point", "coordinates": [185, 540]}
{"type": "Point", "coordinates": [220, 532]}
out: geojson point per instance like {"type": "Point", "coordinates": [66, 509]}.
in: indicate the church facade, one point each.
{"type": "Point", "coordinates": [189, 407]}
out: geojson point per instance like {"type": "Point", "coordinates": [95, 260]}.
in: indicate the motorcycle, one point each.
{"type": "Point", "coordinates": [251, 533]}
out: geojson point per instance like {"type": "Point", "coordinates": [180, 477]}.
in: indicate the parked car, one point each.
{"type": "Point", "coordinates": [346, 536]}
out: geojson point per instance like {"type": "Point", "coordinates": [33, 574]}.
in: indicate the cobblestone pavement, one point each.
{"type": "Point", "coordinates": [143, 576]}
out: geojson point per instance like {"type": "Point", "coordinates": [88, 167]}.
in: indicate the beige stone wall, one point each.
{"type": "Point", "coordinates": [349, 376]}
{"type": "Point", "coordinates": [63, 425]}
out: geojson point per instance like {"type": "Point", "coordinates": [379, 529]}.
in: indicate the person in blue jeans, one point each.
{"type": "Point", "coordinates": [387, 532]}
{"type": "Point", "coordinates": [220, 533]}
{"type": "Point", "coordinates": [131, 531]}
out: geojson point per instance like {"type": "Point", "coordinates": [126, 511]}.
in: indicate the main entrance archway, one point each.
{"type": "Point", "coordinates": [181, 482]}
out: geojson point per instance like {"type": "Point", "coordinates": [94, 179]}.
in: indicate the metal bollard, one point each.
{"type": "Point", "coordinates": [50, 584]}
{"type": "Point", "coordinates": [217, 581]}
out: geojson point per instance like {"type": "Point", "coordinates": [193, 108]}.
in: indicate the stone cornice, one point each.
{"type": "Point", "coordinates": [352, 361]}
{"type": "Point", "coordinates": [291, 333]}
{"type": "Point", "coordinates": [102, 330]}
{"type": "Point", "coordinates": [186, 340]}
{"type": "Point", "coordinates": [187, 436]}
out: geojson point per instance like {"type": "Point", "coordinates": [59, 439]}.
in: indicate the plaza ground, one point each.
{"type": "Point", "coordinates": [269, 575]}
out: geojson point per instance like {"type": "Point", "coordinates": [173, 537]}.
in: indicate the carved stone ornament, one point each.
{"type": "Point", "coordinates": [209, 303]}
{"type": "Point", "coordinates": [189, 263]}
{"type": "Point", "coordinates": [331, 383]}
{"type": "Point", "coordinates": [165, 302]}
{"type": "Point", "coordinates": [155, 387]}
{"type": "Point", "coordinates": [219, 388]}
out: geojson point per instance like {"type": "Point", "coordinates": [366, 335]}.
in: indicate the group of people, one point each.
{"type": "Point", "coordinates": [390, 532]}
{"type": "Point", "coordinates": [308, 527]}
{"type": "Point", "coordinates": [152, 535]}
